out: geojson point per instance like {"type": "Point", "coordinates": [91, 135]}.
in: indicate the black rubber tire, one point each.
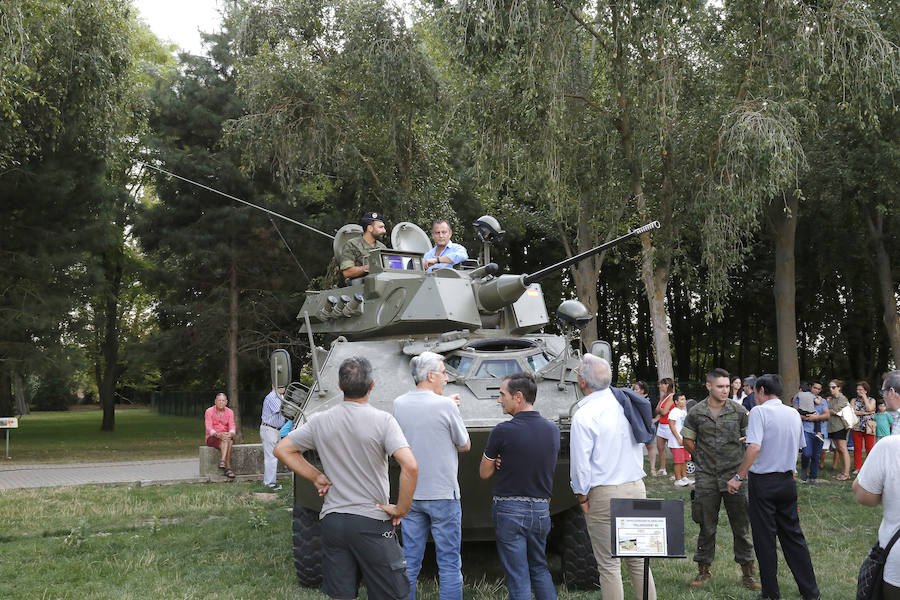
{"type": "Point", "coordinates": [307, 547]}
{"type": "Point", "coordinates": [579, 568]}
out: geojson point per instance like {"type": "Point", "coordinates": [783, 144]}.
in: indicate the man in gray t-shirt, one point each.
{"type": "Point", "coordinates": [436, 433]}
{"type": "Point", "coordinates": [354, 441]}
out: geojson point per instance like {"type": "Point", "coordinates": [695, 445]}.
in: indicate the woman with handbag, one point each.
{"type": "Point", "coordinates": [837, 428]}
{"type": "Point", "coordinates": [879, 482]}
{"type": "Point", "coordinates": [864, 430]}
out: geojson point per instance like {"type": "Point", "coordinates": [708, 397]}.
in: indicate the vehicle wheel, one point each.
{"type": "Point", "coordinates": [307, 547]}
{"type": "Point", "coordinates": [578, 565]}
{"type": "Point", "coordinates": [690, 467]}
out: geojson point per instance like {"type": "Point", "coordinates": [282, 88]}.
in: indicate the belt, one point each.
{"type": "Point", "coordinates": [520, 499]}
{"type": "Point", "coordinates": [272, 426]}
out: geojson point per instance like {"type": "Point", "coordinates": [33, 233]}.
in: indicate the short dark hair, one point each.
{"type": "Point", "coordinates": [522, 382]}
{"type": "Point", "coordinates": [439, 221]}
{"type": "Point", "coordinates": [804, 387]}
{"type": "Point", "coordinates": [642, 385]}
{"type": "Point", "coordinates": [355, 377]}
{"type": "Point", "coordinates": [771, 383]}
{"type": "Point", "coordinates": [716, 373]}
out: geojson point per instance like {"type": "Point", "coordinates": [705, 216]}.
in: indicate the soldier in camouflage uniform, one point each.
{"type": "Point", "coordinates": [713, 434]}
{"type": "Point", "coordinates": [355, 253]}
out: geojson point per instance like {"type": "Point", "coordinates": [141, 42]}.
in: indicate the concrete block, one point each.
{"type": "Point", "coordinates": [246, 459]}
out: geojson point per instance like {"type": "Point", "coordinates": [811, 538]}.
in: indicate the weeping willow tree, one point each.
{"type": "Point", "coordinates": [708, 107]}
{"type": "Point", "coordinates": [784, 63]}
{"type": "Point", "coordinates": [610, 104]}
{"type": "Point", "coordinates": [343, 90]}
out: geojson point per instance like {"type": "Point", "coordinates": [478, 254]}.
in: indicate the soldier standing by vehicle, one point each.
{"type": "Point", "coordinates": [355, 254]}
{"type": "Point", "coordinates": [713, 434]}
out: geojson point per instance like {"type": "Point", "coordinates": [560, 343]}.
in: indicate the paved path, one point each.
{"type": "Point", "coordinates": [145, 472]}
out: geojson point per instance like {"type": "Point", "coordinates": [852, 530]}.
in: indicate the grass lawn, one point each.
{"type": "Point", "coordinates": [221, 541]}
{"type": "Point", "coordinates": [75, 436]}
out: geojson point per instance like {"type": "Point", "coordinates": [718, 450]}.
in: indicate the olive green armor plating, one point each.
{"type": "Point", "coordinates": [486, 325]}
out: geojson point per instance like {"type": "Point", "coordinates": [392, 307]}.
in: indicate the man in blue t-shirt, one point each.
{"type": "Point", "coordinates": [527, 445]}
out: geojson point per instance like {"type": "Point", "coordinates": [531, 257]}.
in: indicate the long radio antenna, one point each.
{"type": "Point", "coordinates": [236, 199]}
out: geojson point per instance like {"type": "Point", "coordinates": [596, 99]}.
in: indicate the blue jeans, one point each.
{"type": "Point", "coordinates": [521, 528]}
{"type": "Point", "coordinates": [810, 457]}
{"type": "Point", "coordinates": [444, 519]}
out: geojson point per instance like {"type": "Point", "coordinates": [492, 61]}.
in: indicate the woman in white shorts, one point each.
{"type": "Point", "coordinates": [666, 404]}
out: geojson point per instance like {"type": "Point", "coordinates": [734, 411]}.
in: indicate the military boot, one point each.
{"type": "Point", "coordinates": [703, 575]}
{"type": "Point", "coordinates": [747, 577]}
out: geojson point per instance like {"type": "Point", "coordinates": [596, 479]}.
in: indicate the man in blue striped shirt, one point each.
{"type": "Point", "coordinates": [272, 420]}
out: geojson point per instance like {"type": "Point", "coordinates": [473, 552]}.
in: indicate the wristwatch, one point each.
{"type": "Point", "coordinates": [738, 477]}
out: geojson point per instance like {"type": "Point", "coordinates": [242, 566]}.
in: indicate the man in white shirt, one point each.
{"type": "Point", "coordinates": [879, 481]}
{"type": "Point", "coordinates": [436, 433]}
{"type": "Point", "coordinates": [774, 436]}
{"type": "Point", "coordinates": [606, 462]}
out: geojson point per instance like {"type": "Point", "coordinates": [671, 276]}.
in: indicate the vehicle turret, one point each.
{"type": "Point", "coordinates": [399, 296]}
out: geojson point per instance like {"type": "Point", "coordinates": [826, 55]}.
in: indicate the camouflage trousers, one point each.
{"type": "Point", "coordinates": [705, 502]}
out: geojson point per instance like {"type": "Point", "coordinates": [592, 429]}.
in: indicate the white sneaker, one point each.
{"type": "Point", "coordinates": [682, 482]}
{"type": "Point", "coordinates": [688, 480]}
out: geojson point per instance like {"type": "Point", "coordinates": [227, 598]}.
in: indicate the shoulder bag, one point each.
{"type": "Point", "coordinates": [871, 573]}
{"type": "Point", "coordinates": [848, 416]}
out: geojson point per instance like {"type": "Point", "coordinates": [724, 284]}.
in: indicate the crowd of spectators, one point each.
{"type": "Point", "coordinates": [744, 430]}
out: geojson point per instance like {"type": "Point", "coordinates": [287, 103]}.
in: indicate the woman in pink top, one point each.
{"type": "Point", "coordinates": [220, 431]}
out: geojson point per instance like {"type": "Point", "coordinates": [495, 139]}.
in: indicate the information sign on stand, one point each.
{"type": "Point", "coordinates": [645, 528]}
{"type": "Point", "coordinates": [7, 423]}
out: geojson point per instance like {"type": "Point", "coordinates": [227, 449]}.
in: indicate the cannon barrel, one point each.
{"type": "Point", "coordinates": [547, 271]}
{"type": "Point", "coordinates": [506, 289]}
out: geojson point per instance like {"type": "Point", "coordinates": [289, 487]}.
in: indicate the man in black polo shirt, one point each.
{"type": "Point", "coordinates": [528, 446]}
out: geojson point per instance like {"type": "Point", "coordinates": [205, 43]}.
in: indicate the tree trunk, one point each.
{"type": "Point", "coordinates": [654, 275]}
{"type": "Point", "coordinates": [786, 294]}
{"type": "Point", "coordinates": [680, 313]}
{"type": "Point", "coordinates": [875, 223]}
{"type": "Point", "coordinates": [21, 399]}
{"type": "Point", "coordinates": [106, 368]}
{"type": "Point", "coordinates": [6, 403]}
{"type": "Point", "coordinates": [233, 399]}
{"type": "Point", "coordinates": [586, 272]}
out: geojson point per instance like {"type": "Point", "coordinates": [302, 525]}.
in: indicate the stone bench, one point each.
{"type": "Point", "coordinates": [246, 462]}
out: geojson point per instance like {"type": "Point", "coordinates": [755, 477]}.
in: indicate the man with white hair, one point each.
{"type": "Point", "coordinates": [606, 461]}
{"type": "Point", "coordinates": [436, 433]}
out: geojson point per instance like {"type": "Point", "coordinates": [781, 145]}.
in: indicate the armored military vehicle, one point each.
{"type": "Point", "coordinates": [487, 325]}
